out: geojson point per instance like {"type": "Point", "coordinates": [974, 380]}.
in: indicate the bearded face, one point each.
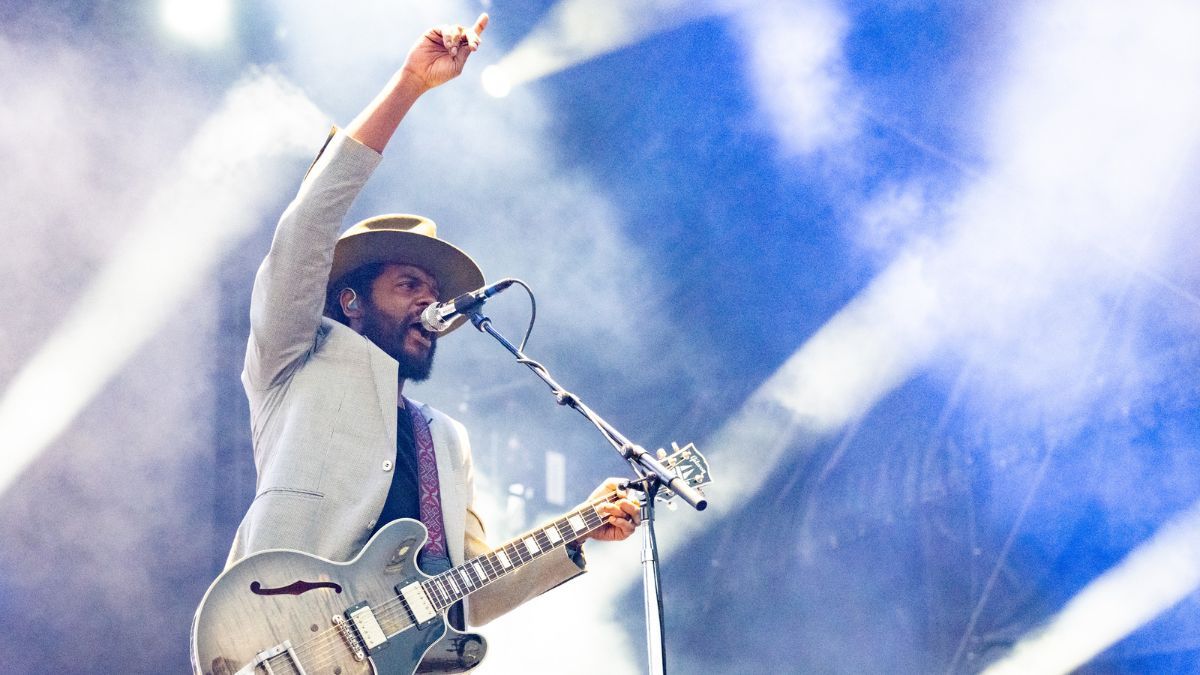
{"type": "Point", "coordinates": [391, 318]}
{"type": "Point", "coordinates": [408, 342]}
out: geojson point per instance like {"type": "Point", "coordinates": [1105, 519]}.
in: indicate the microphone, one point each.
{"type": "Point", "coordinates": [437, 317]}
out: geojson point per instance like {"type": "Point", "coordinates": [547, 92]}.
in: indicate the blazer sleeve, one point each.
{"type": "Point", "coordinates": [288, 299]}
{"type": "Point", "coordinates": [525, 584]}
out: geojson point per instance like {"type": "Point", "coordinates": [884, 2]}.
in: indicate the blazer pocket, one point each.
{"type": "Point", "coordinates": [289, 492]}
{"type": "Point", "coordinates": [282, 517]}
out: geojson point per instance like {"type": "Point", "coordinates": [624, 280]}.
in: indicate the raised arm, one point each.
{"type": "Point", "coordinates": [289, 291]}
{"type": "Point", "coordinates": [438, 57]}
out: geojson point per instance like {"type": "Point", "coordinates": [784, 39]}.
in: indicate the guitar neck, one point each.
{"type": "Point", "coordinates": [455, 584]}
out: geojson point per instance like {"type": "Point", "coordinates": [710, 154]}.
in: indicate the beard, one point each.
{"type": "Point", "coordinates": [413, 367]}
{"type": "Point", "coordinates": [390, 336]}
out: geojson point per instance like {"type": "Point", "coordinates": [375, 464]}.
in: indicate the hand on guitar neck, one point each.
{"type": "Point", "coordinates": [621, 517]}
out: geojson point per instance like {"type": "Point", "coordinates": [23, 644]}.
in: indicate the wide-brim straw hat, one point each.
{"type": "Point", "coordinates": [409, 240]}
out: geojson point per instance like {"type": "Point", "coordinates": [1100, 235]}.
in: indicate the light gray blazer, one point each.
{"type": "Point", "coordinates": [323, 406]}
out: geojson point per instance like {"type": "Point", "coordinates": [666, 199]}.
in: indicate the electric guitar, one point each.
{"type": "Point", "coordinates": [283, 611]}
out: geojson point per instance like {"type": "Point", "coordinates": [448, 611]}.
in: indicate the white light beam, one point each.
{"type": "Point", "coordinates": [1153, 578]}
{"type": "Point", "coordinates": [575, 31]}
{"type": "Point", "coordinates": [210, 200]}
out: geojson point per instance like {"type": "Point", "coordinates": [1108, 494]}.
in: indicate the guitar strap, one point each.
{"type": "Point", "coordinates": [427, 480]}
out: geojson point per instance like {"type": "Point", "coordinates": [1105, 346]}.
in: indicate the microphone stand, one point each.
{"type": "Point", "coordinates": [652, 475]}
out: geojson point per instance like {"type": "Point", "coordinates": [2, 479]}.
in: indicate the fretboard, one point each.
{"type": "Point", "coordinates": [453, 585]}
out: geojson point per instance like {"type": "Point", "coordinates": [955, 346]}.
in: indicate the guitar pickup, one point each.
{"type": "Point", "coordinates": [363, 620]}
{"type": "Point", "coordinates": [418, 602]}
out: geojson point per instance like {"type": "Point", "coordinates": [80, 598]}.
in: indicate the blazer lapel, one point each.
{"type": "Point", "coordinates": [384, 369]}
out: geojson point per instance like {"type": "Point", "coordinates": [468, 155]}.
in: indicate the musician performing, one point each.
{"type": "Point", "coordinates": [354, 478]}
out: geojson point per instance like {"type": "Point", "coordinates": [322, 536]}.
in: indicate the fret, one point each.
{"type": "Point", "coordinates": [522, 547]}
{"type": "Point", "coordinates": [564, 529]}
{"type": "Point", "coordinates": [576, 523]}
{"type": "Point", "coordinates": [431, 590]}
{"type": "Point", "coordinates": [469, 578]}
{"type": "Point", "coordinates": [515, 553]}
{"type": "Point", "coordinates": [450, 586]}
{"type": "Point", "coordinates": [532, 546]}
{"type": "Point", "coordinates": [518, 553]}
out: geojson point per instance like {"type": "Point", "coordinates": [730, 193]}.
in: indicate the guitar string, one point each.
{"type": "Point", "coordinates": [323, 649]}
{"type": "Point", "coordinates": [330, 641]}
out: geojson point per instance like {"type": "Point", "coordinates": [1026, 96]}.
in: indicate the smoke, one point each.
{"type": "Point", "coordinates": [194, 214]}
{"type": "Point", "coordinates": [126, 188]}
{"type": "Point", "coordinates": [1092, 141]}
{"type": "Point", "coordinates": [1021, 270]}
{"type": "Point", "coordinates": [797, 68]}
{"type": "Point", "coordinates": [78, 135]}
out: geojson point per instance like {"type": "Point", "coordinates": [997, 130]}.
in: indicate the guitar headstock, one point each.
{"type": "Point", "coordinates": [688, 464]}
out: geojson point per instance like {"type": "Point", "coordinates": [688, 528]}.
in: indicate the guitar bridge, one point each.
{"type": "Point", "coordinates": [264, 657]}
{"type": "Point", "coordinates": [351, 640]}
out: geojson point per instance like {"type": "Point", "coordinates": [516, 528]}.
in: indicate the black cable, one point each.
{"type": "Point", "coordinates": [532, 313]}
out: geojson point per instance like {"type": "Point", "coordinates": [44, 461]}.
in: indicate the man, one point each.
{"type": "Point", "coordinates": [334, 337]}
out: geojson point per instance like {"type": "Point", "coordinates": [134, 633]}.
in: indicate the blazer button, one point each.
{"type": "Point", "coordinates": [387, 465]}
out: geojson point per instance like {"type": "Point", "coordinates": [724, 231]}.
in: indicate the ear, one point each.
{"type": "Point", "coordinates": [351, 305]}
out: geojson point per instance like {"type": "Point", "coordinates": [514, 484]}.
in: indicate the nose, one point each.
{"type": "Point", "coordinates": [427, 297]}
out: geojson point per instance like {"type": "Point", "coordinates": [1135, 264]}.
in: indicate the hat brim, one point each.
{"type": "Point", "coordinates": [455, 271]}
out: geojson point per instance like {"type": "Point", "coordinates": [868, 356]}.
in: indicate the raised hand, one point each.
{"type": "Point", "coordinates": [437, 57]}
{"type": "Point", "coordinates": [440, 54]}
